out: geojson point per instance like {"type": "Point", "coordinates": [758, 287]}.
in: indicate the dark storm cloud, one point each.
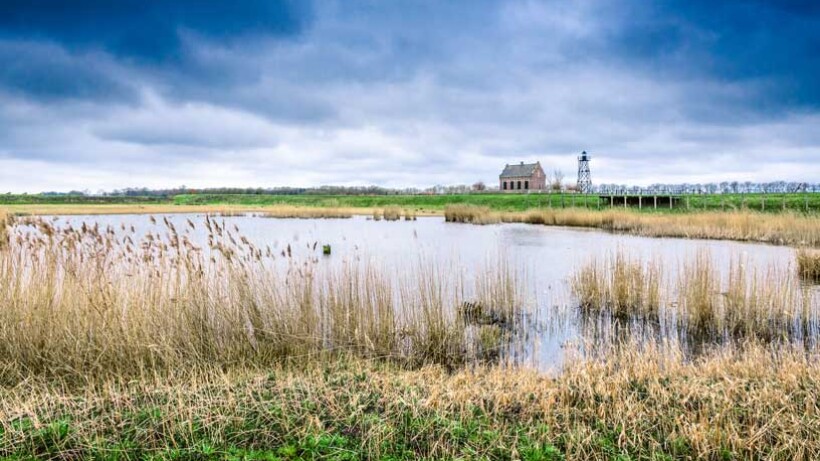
{"type": "Point", "coordinates": [48, 72]}
{"type": "Point", "coordinates": [774, 43]}
{"type": "Point", "coordinates": [147, 29]}
{"type": "Point", "coordinates": [56, 49]}
{"type": "Point", "coordinates": [406, 92]}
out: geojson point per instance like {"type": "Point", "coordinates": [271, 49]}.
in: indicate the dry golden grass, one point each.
{"type": "Point", "coordinates": [698, 296]}
{"type": "Point", "coordinates": [766, 305]}
{"type": "Point", "coordinates": [6, 221]}
{"type": "Point", "coordinates": [624, 287]}
{"type": "Point", "coordinates": [97, 301]}
{"type": "Point", "coordinates": [645, 402]}
{"type": "Point", "coordinates": [781, 228]}
{"type": "Point", "coordinates": [393, 213]}
{"type": "Point", "coordinates": [306, 213]}
{"type": "Point", "coordinates": [808, 264]}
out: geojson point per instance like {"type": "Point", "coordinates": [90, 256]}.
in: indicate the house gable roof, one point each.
{"type": "Point", "coordinates": [519, 170]}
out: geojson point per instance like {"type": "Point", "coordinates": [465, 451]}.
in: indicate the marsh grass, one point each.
{"type": "Point", "coordinates": [94, 301]}
{"type": "Point", "coordinates": [783, 228]}
{"type": "Point", "coordinates": [282, 211]}
{"type": "Point", "coordinates": [808, 264]}
{"type": "Point", "coordinates": [698, 297]}
{"type": "Point", "coordinates": [640, 402]}
{"type": "Point", "coordinates": [625, 288]}
{"type": "Point", "coordinates": [765, 305]}
{"type": "Point", "coordinates": [391, 213]}
{"type": "Point", "coordinates": [6, 221]}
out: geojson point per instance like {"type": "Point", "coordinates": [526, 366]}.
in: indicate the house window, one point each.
{"type": "Point", "coordinates": [526, 184]}
{"type": "Point", "coordinates": [504, 185]}
{"type": "Point", "coordinates": [519, 185]}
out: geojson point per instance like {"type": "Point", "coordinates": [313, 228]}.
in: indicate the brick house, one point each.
{"type": "Point", "coordinates": [524, 176]}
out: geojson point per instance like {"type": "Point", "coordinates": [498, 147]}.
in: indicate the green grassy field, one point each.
{"type": "Point", "coordinates": [39, 199]}
{"type": "Point", "coordinates": [511, 202]}
{"type": "Point", "coordinates": [499, 202]}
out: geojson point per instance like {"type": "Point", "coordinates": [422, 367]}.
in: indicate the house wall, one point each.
{"type": "Point", "coordinates": [537, 181]}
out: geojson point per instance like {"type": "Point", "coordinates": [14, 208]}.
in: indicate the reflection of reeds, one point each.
{"type": "Point", "coordinates": [782, 228]}
{"type": "Point", "coordinates": [95, 301]}
{"type": "Point", "coordinates": [808, 264]}
{"type": "Point", "coordinates": [626, 288]}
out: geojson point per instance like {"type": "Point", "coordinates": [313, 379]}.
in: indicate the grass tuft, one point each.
{"type": "Point", "coordinates": [808, 264]}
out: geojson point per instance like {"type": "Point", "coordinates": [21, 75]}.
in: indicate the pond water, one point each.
{"type": "Point", "coordinates": [544, 258]}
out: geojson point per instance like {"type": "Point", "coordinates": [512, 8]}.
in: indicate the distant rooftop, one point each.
{"type": "Point", "coordinates": [522, 169]}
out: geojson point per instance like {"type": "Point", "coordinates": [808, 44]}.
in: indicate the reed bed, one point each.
{"type": "Point", "coordinates": [808, 264]}
{"type": "Point", "coordinates": [766, 305]}
{"type": "Point", "coordinates": [641, 402]}
{"type": "Point", "coordinates": [782, 228]}
{"type": "Point", "coordinates": [305, 213]}
{"type": "Point", "coordinates": [94, 301]}
{"type": "Point", "coordinates": [393, 213]}
{"type": "Point", "coordinates": [619, 285]}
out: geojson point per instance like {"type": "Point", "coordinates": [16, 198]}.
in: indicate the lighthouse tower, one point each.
{"type": "Point", "coordinates": [584, 176]}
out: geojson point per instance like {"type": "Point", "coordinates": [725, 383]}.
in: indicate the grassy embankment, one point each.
{"type": "Point", "coordinates": [511, 202]}
{"type": "Point", "coordinates": [422, 204]}
{"type": "Point", "coordinates": [112, 348]}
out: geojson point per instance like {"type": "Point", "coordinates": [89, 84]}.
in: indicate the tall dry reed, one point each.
{"type": "Point", "coordinates": [622, 286]}
{"type": "Point", "coordinates": [283, 211]}
{"type": "Point", "coordinates": [765, 304]}
{"type": "Point", "coordinates": [782, 228]}
{"type": "Point", "coordinates": [100, 301]}
{"type": "Point", "coordinates": [808, 264]}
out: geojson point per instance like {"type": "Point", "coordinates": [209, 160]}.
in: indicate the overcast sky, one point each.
{"type": "Point", "coordinates": [261, 93]}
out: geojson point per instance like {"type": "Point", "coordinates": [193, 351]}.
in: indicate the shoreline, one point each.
{"type": "Point", "coordinates": [783, 229]}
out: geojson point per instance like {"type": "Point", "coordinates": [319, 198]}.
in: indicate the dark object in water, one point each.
{"type": "Point", "coordinates": [477, 313]}
{"type": "Point", "coordinates": [325, 249]}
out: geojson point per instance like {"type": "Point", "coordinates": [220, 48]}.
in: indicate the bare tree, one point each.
{"type": "Point", "coordinates": [479, 186]}
{"type": "Point", "coordinates": [557, 180]}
